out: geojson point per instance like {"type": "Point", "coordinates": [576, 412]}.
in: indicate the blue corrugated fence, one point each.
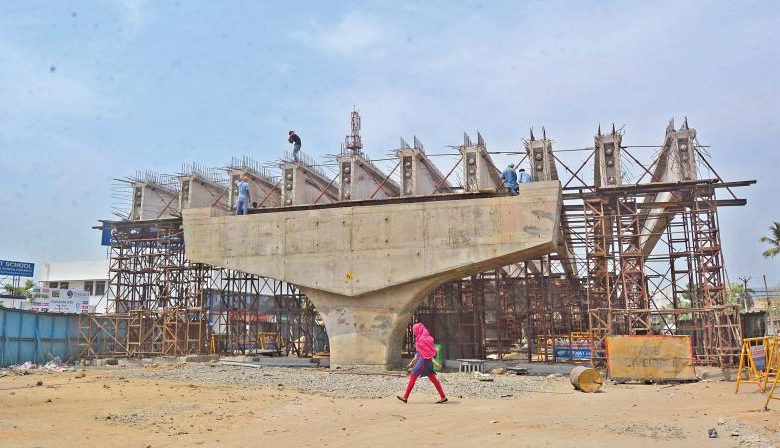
{"type": "Point", "coordinates": [37, 337]}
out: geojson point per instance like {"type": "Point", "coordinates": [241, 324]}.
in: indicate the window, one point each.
{"type": "Point", "coordinates": [100, 288]}
{"type": "Point", "coordinates": [88, 286]}
{"type": "Point", "coordinates": [64, 285]}
{"type": "Point", "coordinates": [54, 285]}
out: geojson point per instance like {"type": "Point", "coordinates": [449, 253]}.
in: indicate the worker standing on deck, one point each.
{"type": "Point", "coordinates": [523, 177]}
{"type": "Point", "coordinates": [242, 204]}
{"type": "Point", "coordinates": [296, 142]}
{"type": "Point", "coordinates": [423, 362]}
{"type": "Point", "coordinates": [510, 179]}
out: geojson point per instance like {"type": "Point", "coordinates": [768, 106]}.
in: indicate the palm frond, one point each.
{"type": "Point", "coordinates": [771, 252]}
{"type": "Point", "coordinates": [773, 240]}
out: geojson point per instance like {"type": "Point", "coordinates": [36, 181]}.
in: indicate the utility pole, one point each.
{"type": "Point", "coordinates": [744, 292]}
{"type": "Point", "coordinates": [770, 328]}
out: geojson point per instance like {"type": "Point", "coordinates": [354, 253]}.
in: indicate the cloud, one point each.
{"type": "Point", "coordinates": [135, 14]}
{"type": "Point", "coordinates": [355, 32]}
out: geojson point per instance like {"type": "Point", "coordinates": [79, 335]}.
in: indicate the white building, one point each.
{"type": "Point", "coordinates": [90, 276]}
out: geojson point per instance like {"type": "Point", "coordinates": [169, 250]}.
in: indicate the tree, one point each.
{"type": "Point", "coordinates": [689, 296]}
{"type": "Point", "coordinates": [737, 295]}
{"type": "Point", "coordinates": [20, 291]}
{"type": "Point", "coordinates": [773, 240]}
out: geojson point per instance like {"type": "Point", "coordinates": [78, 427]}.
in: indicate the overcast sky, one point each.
{"type": "Point", "coordinates": [92, 91]}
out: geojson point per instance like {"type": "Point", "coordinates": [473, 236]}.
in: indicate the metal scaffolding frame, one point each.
{"type": "Point", "coordinates": [163, 304]}
{"type": "Point", "coordinates": [677, 289]}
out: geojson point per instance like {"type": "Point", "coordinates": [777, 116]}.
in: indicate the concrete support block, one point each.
{"type": "Point", "coordinates": [196, 192]}
{"type": "Point", "coordinates": [263, 190]}
{"type": "Point", "coordinates": [361, 179]}
{"type": "Point", "coordinates": [675, 163]}
{"type": "Point", "coordinates": [152, 201]}
{"type": "Point", "coordinates": [302, 184]}
{"type": "Point", "coordinates": [607, 166]}
{"type": "Point", "coordinates": [419, 176]}
{"type": "Point", "coordinates": [541, 160]}
{"type": "Point", "coordinates": [479, 171]}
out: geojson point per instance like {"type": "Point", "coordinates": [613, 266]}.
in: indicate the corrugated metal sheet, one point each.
{"type": "Point", "coordinates": [37, 337]}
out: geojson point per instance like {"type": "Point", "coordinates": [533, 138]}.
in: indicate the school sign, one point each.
{"type": "Point", "coordinates": [16, 268]}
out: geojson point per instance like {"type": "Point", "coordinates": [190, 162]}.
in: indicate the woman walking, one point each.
{"type": "Point", "coordinates": [423, 362]}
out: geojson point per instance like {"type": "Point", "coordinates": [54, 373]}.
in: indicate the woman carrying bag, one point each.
{"type": "Point", "coordinates": [423, 362]}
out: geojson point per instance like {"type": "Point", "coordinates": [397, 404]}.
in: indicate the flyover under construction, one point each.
{"type": "Point", "coordinates": [636, 250]}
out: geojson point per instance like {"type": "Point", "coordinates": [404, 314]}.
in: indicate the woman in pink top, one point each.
{"type": "Point", "coordinates": [423, 362]}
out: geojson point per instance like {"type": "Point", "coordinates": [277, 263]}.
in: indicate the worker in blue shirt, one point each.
{"type": "Point", "coordinates": [242, 204]}
{"type": "Point", "coordinates": [510, 179]}
{"type": "Point", "coordinates": [523, 177]}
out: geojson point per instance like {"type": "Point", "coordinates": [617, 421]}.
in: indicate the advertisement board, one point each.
{"type": "Point", "coordinates": [53, 300]}
{"type": "Point", "coordinates": [578, 350]}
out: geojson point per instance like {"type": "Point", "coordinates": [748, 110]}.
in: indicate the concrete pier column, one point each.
{"type": "Point", "coordinates": [368, 331]}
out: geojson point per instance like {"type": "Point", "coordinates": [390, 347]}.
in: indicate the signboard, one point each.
{"type": "Point", "coordinates": [572, 350]}
{"type": "Point", "coordinates": [106, 235]}
{"type": "Point", "coordinates": [758, 353]}
{"type": "Point", "coordinates": [17, 268]}
{"type": "Point", "coordinates": [650, 358]}
{"type": "Point", "coordinates": [52, 300]}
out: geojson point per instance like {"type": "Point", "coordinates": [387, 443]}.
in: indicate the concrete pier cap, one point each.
{"type": "Point", "coordinates": [367, 267]}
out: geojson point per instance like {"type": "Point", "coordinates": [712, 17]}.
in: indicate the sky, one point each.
{"type": "Point", "coordinates": [92, 91]}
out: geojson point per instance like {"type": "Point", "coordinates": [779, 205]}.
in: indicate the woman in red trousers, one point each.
{"type": "Point", "coordinates": [423, 362]}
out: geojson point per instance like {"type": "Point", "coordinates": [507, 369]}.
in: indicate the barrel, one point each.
{"type": "Point", "coordinates": [585, 379]}
{"type": "Point", "coordinates": [439, 357]}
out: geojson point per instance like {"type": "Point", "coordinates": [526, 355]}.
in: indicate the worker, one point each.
{"type": "Point", "coordinates": [423, 362]}
{"type": "Point", "coordinates": [296, 142]}
{"type": "Point", "coordinates": [242, 204]}
{"type": "Point", "coordinates": [510, 179]}
{"type": "Point", "coordinates": [523, 177]}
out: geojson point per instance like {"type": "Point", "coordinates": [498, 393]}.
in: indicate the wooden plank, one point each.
{"type": "Point", "coordinates": [643, 358]}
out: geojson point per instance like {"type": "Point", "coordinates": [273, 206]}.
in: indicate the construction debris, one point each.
{"type": "Point", "coordinates": [483, 376]}
{"type": "Point", "coordinates": [28, 368]}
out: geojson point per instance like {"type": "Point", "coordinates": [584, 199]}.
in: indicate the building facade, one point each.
{"type": "Point", "coordinates": [89, 276]}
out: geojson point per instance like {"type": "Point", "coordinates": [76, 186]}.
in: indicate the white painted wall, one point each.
{"type": "Point", "coordinates": [76, 273]}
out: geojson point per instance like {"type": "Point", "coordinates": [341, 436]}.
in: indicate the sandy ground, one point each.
{"type": "Point", "coordinates": [131, 407]}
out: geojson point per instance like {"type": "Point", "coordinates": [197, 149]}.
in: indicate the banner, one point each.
{"type": "Point", "coordinates": [17, 268]}
{"type": "Point", "coordinates": [572, 350]}
{"type": "Point", "coordinates": [52, 300]}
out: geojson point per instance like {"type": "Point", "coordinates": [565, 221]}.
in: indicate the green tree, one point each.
{"type": "Point", "coordinates": [689, 296]}
{"type": "Point", "coordinates": [738, 296]}
{"type": "Point", "coordinates": [773, 240]}
{"type": "Point", "coordinates": [20, 291]}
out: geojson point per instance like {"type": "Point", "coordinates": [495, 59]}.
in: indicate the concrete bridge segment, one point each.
{"type": "Point", "coordinates": [366, 268]}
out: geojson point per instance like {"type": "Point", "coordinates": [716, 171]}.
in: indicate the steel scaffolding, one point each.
{"type": "Point", "coordinates": [162, 304]}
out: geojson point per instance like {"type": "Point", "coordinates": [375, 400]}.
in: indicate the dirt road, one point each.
{"type": "Point", "coordinates": [142, 407]}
